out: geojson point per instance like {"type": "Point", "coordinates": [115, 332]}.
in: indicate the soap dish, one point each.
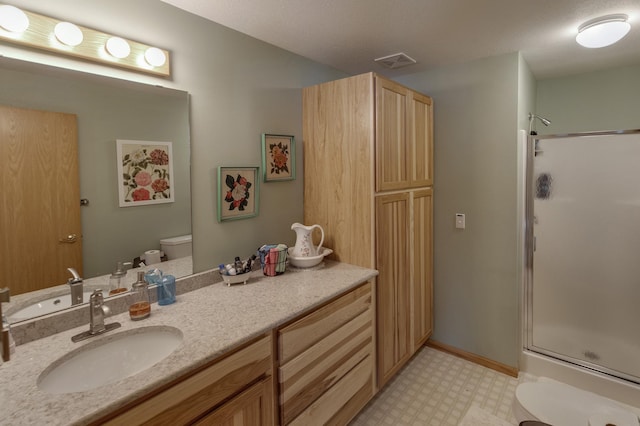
{"type": "Point", "coordinates": [236, 279]}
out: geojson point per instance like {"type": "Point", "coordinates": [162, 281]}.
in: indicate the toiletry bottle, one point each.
{"type": "Point", "coordinates": [140, 301]}
{"type": "Point", "coordinates": [238, 265]}
{"type": "Point", "coordinates": [117, 278]}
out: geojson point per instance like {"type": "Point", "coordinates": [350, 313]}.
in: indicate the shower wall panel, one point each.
{"type": "Point", "coordinates": [585, 221]}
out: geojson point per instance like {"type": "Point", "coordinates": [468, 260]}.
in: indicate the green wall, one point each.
{"type": "Point", "coordinates": [475, 274]}
{"type": "Point", "coordinates": [603, 100]}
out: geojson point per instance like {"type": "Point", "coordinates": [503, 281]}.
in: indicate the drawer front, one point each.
{"type": "Point", "coordinates": [202, 391]}
{"type": "Point", "coordinates": [253, 407]}
{"type": "Point", "coordinates": [351, 393]}
{"type": "Point", "coordinates": [337, 340]}
{"type": "Point", "coordinates": [302, 334]}
{"type": "Point", "coordinates": [309, 375]}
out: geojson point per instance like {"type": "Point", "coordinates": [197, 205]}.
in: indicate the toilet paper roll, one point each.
{"type": "Point", "coordinates": [151, 257]}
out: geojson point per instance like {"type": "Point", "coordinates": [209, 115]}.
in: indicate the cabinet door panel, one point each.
{"type": "Point", "coordinates": [421, 140]}
{"type": "Point", "coordinates": [392, 149]}
{"type": "Point", "coordinates": [422, 267]}
{"type": "Point", "coordinates": [393, 308]}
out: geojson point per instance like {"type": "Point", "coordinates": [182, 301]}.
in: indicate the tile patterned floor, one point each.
{"type": "Point", "coordinates": [436, 388]}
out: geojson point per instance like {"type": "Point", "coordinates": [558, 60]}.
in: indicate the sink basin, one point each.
{"type": "Point", "coordinates": [109, 359]}
{"type": "Point", "coordinates": [46, 306]}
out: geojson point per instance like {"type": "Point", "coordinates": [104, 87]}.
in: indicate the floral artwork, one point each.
{"type": "Point", "coordinates": [237, 192]}
{"type": "Point", "coordinates": [278, 157]}
{"type": "Point", "coordinates": [145, 173]}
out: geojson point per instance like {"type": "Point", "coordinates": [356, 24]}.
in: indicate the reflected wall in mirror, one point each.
{"type": "Point", "coordinates": [108, 109]}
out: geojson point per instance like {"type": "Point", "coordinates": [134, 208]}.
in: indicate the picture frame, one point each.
{"type": "Point", "coordinates": [278, 157]}
{"type": "Point", "coordinates": [238, 192]}
{"type": "Point", "coordinates": [145, 172]}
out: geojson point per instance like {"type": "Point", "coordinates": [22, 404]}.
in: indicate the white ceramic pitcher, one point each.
{"type": "Point", "coordinates": [304, 241]}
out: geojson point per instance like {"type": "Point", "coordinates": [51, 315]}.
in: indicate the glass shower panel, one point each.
{"type": "Point", "coordinates": [586, 263]}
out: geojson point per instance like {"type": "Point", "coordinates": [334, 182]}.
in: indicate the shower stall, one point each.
{"type": "Point", "coordinates": [582, 251]}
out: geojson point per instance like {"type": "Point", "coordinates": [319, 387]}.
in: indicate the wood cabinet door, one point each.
{"type": "Point", "coordinates": [40, 218]}
{"type": "Point", "coordinates": [393, 302]}
{"type": "Point", "coordinates": [420, 129]}
{"type": "Point", "coordinates": [422, 267]}
{"type": "Point", "coordinates": [392, 145]}
{"type": "Point", "coordinates": [251, 408]}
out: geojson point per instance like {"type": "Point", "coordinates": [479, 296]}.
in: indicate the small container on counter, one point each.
{"type": "Point", "coordinates": [166, 290]}
{"type": "Point", "coordinates": [273, 258]}
{"type": "Point", "coordinates": [139, 299]}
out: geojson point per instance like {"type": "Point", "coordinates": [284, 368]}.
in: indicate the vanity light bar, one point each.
{"type": "Point", "coordinates": [91, 44]}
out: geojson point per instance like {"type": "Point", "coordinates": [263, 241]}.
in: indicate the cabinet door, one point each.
{"type": "Point", "coordinates": [393, 303]}
{"type": "Point", "coordinates": [420, 129]}
{"type": "Point", "coordinates": [251, 408]}
{"type": "Point", "coordinates": [422, 268]}
{"type": "Point", "coordinates": [392, 147]}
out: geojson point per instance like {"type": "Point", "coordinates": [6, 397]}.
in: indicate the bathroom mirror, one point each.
{"type": "Point", "coordinates": [108, 110]}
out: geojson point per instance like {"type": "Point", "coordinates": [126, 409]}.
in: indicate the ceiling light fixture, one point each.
{"type": "Point", "coordinates": [13, 19]}
{"type": "Point", "coordinates": [30, 29]}
{"type": "Point", "coordinates": [603, 31]}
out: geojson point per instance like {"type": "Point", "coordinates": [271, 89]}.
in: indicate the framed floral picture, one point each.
{"type": "Point", "coordinates": [278, 157]}
{"type": "Point", "coordinates": [238, 192]}
{"type": "Point", "coordinates": [145, 172]}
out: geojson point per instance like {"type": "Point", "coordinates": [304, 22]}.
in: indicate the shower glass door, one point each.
{"type": "Point", "coordinates": [583, 225]}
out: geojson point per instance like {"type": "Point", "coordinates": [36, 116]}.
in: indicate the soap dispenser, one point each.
{"type": "Point", "coordinates": [140, 300]}
{"type": "Point", "coordinates": [116, 280]}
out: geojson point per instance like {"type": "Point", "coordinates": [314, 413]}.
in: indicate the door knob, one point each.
{"type": "Point", "coordinates": [71, 238]}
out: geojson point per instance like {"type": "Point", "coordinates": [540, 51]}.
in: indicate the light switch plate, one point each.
{"type": "Point", "coordinates": [460, 221]}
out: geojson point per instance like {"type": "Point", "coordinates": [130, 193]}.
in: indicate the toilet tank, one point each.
{"type": "Point", "coordinates": [176, 247]}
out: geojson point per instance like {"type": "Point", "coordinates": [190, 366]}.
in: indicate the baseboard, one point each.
{"type": "Point", "coordinates": [477, 359]}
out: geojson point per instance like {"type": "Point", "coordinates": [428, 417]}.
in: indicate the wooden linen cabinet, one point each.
{"type": "Point", "coordinates": [368, 145]}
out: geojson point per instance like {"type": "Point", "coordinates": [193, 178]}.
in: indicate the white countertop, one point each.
{"type": "Point", "coordinates": [213, 320]}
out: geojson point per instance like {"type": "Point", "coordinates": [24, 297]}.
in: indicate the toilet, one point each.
{"type": "Point", "coordinates": [176, 247]}
{"type": "Point", "coordinates": [559, 404]}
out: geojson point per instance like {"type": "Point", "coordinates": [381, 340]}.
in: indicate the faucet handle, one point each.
{"type": "Point", "coordinates": [97, 297]}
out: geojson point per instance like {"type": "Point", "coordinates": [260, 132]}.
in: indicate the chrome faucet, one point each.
{"type": "Point", "coordinates": [97, 312]}
{"type": "Point", "coordinates": [4, 334]}
{"type": "Point", "coordinates": [77, 294]}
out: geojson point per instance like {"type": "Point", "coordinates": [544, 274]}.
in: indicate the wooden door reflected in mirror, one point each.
{"type": "Point", "coordinates": [40, 198]}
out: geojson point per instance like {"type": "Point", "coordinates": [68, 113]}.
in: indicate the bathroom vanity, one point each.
{"type": "Point", "coordinates": [296, 348]}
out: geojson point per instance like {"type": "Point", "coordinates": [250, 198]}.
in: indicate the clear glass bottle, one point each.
{"type": "Point", "coordinates": [139, 300]}
{"type": "Point", "coordinates": [116, 280]}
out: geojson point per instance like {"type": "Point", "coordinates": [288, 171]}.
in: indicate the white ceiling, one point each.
{"type": "Point", "coordinates": [349, 34]}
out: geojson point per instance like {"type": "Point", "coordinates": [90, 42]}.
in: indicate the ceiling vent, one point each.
{"type": "Point", "coordinates": [397, 60]}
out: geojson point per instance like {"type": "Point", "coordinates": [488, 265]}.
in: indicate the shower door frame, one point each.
{"type": "Point", "coordinates": [529, 249]}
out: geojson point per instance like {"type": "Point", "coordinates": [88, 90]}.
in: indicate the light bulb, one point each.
{"type": "Point", "coordinates": [155, 57]}
{"type": "Point", "coordinates": [118, 47]}
{"type": "Point", "coordinates": [68, 33]}
{"type": "Point", "coordinates": [13, 19]}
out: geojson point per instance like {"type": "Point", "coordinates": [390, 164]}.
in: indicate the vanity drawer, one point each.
{"type": "Point", "coordinates": [191, 397]}
{"type": "Point", "coordinates": [351, 393]}
{"type": "Point", "coordinates": [326, 366]}
{"type": "Point", "coordinates": [302, 334]}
